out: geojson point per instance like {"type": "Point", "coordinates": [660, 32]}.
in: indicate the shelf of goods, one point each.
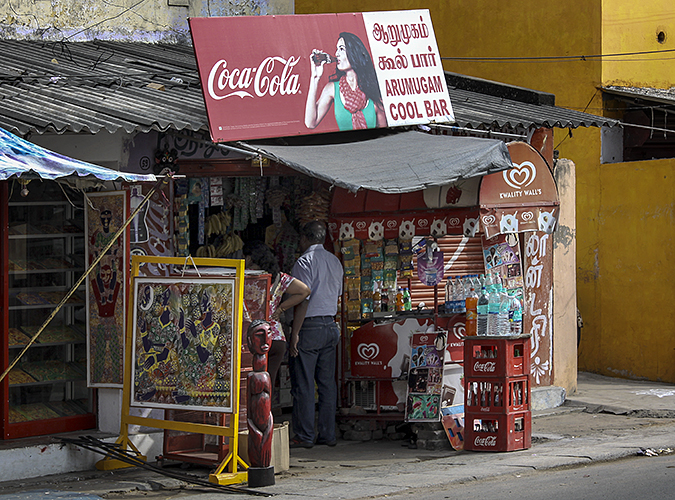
{"type": "Point", "coordinates": [497, 389]}
{"type": "Point", "coordinates": [47, 388]}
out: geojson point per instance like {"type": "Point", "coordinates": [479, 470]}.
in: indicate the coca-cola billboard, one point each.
{"type": "Point", "coordinates": [275, 76]}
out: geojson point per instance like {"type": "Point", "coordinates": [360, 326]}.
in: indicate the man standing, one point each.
{"type": "Point", "coordinates": [314, 337]}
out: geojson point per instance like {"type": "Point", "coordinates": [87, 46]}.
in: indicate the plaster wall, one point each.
{"type": "Point", "coordinates": [564, 281]}
{"type": "Point", "coordinates": [125, 20]}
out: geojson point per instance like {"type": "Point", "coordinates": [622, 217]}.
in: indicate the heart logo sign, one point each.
{"type": "Point", "coordinates": [521, 175]}
{"type": "Point", "coordinates": [454, 221]}
{"type": "Point", "coordinates": [391, 223]}
{"type": "Point", "coordinates": [489, 219]}
{"type": "Point", "coordinates": [360, 225]}
{"type": "Point", "coordinates": [368, 351]}
{"type": "Point", "coordinates": [527, 216]}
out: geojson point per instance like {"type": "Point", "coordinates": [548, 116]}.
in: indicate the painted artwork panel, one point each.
{"type": "Point", "coordinates": [150, 232]}
{"type": "Point", "coordinates": [183, 343]}
{"type": "Point", "coordinates": [105, 213]}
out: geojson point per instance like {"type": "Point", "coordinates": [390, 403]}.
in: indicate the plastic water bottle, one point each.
{"type": "Point", "coordinates": [503, 326]}
{"type": "Point", "coordinates": [407, 302]}
{"type": "Point", "coordinates": [448, 296]}
{"type": "Point", "coordinates": [517, 316]}
{"type": "Point", "coordinates": [482, 313]}
{"type": "Point", "coordinates": [471, 306]}
{"type": "Point", "coordinates": [460, 295]}
{"type": "Point", "coordinates": [494, 303]}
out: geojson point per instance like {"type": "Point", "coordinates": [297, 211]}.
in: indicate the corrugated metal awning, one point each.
{"type": "Point", "coordinates": [25, 160]}
{"type": "Point", "coordinates": [664, 96]}
{"type": "Point", "coordinates": [137, 87]}
{"type": "Point", "coordinates": [395, 163]}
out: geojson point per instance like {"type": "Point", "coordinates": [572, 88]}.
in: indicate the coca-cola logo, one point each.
{"type": "Point", "coordinates": [488, 366]}
{"type": "Point", "coordinates": [368, 351]}
{"type": "Point", "coordinates": [485, 441]}
{"type": "Point", "coordinates": [274, 75]}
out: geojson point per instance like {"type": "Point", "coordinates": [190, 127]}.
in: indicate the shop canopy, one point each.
{"type": "Point", "coordinates": [23, 159]}
{"type": "Point", "coordinates": [397, 163]}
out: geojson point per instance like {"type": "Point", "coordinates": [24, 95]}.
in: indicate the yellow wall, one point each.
{"type": "Point", "coordinates": [635, 272]}
{"type": "Point", "coordinates": [623, 284]}
{"type": "Point", "coordinates": [634, 27]}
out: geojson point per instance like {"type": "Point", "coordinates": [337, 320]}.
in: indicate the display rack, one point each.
{"type": "Point", "coordinates": [497, 389]}
{"type": "Point", "coordinates": [46, 390]}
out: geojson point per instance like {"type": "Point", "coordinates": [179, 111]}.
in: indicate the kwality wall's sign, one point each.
{"type": "Point", "coordinates": [522, 198]}
{"type": "Point", "coordinates": [275, 76]}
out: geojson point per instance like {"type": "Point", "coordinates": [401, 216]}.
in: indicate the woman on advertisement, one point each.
{"type": "Point", "coordinates": [352, 89]}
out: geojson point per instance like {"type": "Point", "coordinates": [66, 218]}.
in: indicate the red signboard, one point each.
{"type": "Point", "coordinates": [275, 76]}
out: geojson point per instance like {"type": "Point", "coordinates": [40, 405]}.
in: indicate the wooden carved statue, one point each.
{"type": "Point", "coordinates": [259, 408]}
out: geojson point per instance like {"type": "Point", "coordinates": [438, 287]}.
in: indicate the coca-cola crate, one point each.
{"type": "Point", "coordinates": [495, 432]}
{"type": "Point", "coordinates": [496, 395]}
{"type": "Point", "coordinates": [497, 356]}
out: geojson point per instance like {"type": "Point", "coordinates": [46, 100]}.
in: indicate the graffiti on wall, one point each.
{"type": "Point", "coordinates": [539, 299]}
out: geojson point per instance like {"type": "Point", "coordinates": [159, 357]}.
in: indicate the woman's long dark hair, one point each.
{"type": "Point", "coordinates": [362, 64]}
{"type": "Point", "coordinates": [262, 256]}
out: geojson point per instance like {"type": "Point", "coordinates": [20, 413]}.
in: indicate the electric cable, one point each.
{"type": "Point", "coordinates": [115, 451]}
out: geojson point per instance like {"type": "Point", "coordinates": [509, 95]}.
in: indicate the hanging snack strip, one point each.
{"type": "Point", "coordinates": [350, 257]}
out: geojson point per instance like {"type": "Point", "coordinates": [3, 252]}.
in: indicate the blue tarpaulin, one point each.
{"type": "Point", "coordinates": [22, 158]}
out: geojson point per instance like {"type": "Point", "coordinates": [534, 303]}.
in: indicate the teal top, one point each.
{"type": "Point", "coordinates": [344, 117]}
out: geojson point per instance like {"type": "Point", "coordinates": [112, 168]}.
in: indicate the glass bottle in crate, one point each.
{"type": "Point", "coordinates": [384, 301]}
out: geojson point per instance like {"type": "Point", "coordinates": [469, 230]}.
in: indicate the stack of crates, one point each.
{"type": "Point", "coordinates": [497, 391]}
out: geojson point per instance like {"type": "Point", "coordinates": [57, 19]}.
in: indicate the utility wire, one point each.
{"type": "Point", "coordinates": [557, 58]}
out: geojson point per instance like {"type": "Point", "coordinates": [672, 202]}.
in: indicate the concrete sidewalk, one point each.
{"type": "Point", "coordinates": [606, 419]}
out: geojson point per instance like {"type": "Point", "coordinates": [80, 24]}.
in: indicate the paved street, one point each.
{"type": "Point", "coordinates": [580, 450]}
{"type": "Point", "coordinates": [626, 479]}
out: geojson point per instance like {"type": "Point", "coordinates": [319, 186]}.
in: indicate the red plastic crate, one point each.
{"type": "Point", "coordinates": [495, 432]}
{"type": "Point", "coordinates": [497, 356]}
{"type": "Point", "coordinates": [497, 395]}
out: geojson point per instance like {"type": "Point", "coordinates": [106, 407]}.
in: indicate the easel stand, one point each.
{"type": "Point", "coordinates": [232, 470]}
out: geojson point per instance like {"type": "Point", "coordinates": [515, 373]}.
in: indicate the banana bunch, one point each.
{"type": "Point", "coordinates": [231, 243]}
{"type": "Point", "coordinates": [217, 223]}
{"type": "Point", "coordinates": [206, 251]}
